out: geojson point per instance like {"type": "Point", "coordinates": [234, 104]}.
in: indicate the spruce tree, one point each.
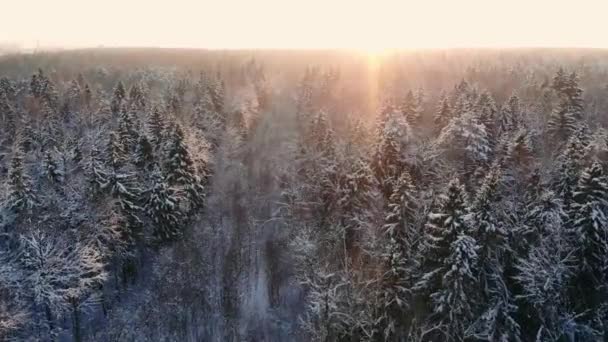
{"type": "Point", "coordinates": [156, 126]}
{"type": "Point", "coordinates": [127, 132]}
{"type": "Point", "coordinates": [119, 95]}
{"type": "Point", "coordinates": [144, 152]}
{"type": "Point", "coordinates": [510, 116]}
{"type": "Point", "coordinates": [117, 156]}
{"type": "Point", "coordinates": [445, 223]}
{"type": "Point", "coordinates": [180, 168]}
{"type": "Point", "coordinates": [388, 162]}
{"type": "Point", "coordinates": [443, 114]}
{"type": "Point", "coordinates": [410, 108]}
{"type": "Point", "coordinates": [565, 119]}
{"type": "Point", "coordinates": [569, 168]}
{"type": "Point", "coordinates": [51, 168]}
{"type": "Point", "coordinates": [162, 206]}
{"type": "Point", "coordinates": [321, 135]}
{"type": "Point", "coordinates": [8, 116]}
{"type": "Point", "coordinates": [396, 281]}
{"type": "Point", "coordinates": [21, 195]}
{"type": "Point", "coordinates": [590, 200]}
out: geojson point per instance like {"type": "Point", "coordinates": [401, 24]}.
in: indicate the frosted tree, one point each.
{"type": "Point", "coordinates": [443, 114]}
{"type": "Point", "coordinates": [497, 303]}
{"type": "Point", "coordinates": [52, 169]}
{"type": "Point", "coordinates": [119, 95]}
{"type": "Point", "coordinates": [486, 107]}
{"type": "Point", "coordinates": [454, 302]}
{"type": "Point", "coordinates": [180, 168]}
{"type": "Point", "coordinates": [304, 95]}
{"type": "Point", "coordinates": [510, 116]}
{"type": "Point", "coordinates": [569, 168]}
{"type": "Point", "coordinates": [21, 195]}
{"type": "Point", "coordinates": [325, 318]}
{"type": "Point", "coordinates": [465, 141]}
{"type": "Point", "coordinates": [8, 116]}
{"type": "Point", "coordinates": [73, 96]}
{"type": "Point", "coordinates": [590, 200]}
{"type": "Point", "coordinates": [321, 134]}
{"type": "Point", "coordinates": [117, 156]}
{"type": "Point", "coordinates": [127, 131]}
{"type": "Point", "coordinates": [217, 91]}
{"type": "Point", "coordinates": [488, 229]}
{"type": "Point", "coordinates": [210, 122]}
{"type": "Point", "coordinates": [396, 282]}
{"type": "Point", "coordinates": [410, 108]}
{"type": "Point", "coordinates": [13, 309]}
{"type": "Point", "coordinates": [60, 276]}
{"type": "Point", "coordinates": [96, 172]}
{"type": "Point", "coordinates": [445, 223]}
{"type": "Point", "coordinates": [448, 274]}
{"type": "Point", "coordinates": [144, 152]}
{"type": "Point", "coordinates": [157, 127]}
{"type": "Point", "coordinates": [565, 118]}
{"type": "Point", "coordinates": [389, 152]}
{"type": "Point", "coordinates": [137, 96]}
{"type": "Point", "coordinates": [544, 276]}
{"type": "Point", "coordinates": [162, 206]}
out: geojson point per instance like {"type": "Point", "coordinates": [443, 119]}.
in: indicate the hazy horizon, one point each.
{"type": "Point", "coordinates": [273, 24]}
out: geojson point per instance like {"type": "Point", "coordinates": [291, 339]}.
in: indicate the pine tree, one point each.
{"type": "Point", "coordinates": [21, 195]}
{"type": "Point", "coordinates": [304, 99]}
{"type": "Point", "coordinates": [445, 224]}
{"type": "Point", "coordinates": [119, 95]}
{"type": "Point", "coordinates": [486, 115]}
{"type": "Point", "coordinates": [565, 119]}
{"type": "Point", "coordinates": [321, 135]}
{"type": "Point", "coordinates": [144, 153]}
{"type": "Point", "coordinates": [180, 168]}
{"type": "Point", "coordinates": [127, 133]}
{"type": "Point", "coordinates": [156, 126]}
{"type": "Point", "coordinates": [590, 225]}
{"type": "Point", "coordinates": [26, 134]}
{"type": "Point", "coordinates": [388, 160]}
{"type": "Point", "coordinates": [217, 90]}
{"type": "Point", "coordinates": [117, 155]}
{"type": "Point", "coordinates": [466, 142]}
{"type": "Point", "coordinates": [570, 164]}
{"type": "Point", "coordinates": [52, 170]}
{"type": "Point", "coordinates": [73, 96]}
{"type": "Point", "coordinates": [162, 207]}
{"type": "Point", "coordinates": [443, 114]}
{"type": "Point", "coordinates": [454, 301]}
{"type": "Point", "coordinates": [8, 115]}
{"type": "Point", "coordinates": [137, 96]}
{"type": "Point", "coordinates": [396, 282]}
{"type": "Point", "coordinates": [510, 116]}
{"type": "Point", "coordinates": [96, 173]}
{"type": "Point", "coordinates": [410, 108]}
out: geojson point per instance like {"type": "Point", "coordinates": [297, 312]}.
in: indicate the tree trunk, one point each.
{"type": "Point", "coordinates": [76, 321]}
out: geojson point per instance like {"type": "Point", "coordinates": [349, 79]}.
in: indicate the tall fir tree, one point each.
{"type": "Point", "coordinates": [397, 257]}
{"type": "Point", "coordinates": [181, 170]}
{"type": "Point", "coordinates": [443, 115]}
{"type": "Point", "coordinates": [157, 127]}
{"type": "Point", "coordinates": [162, 206]}
{"type": "Point", "coordinates": [565, 119]}
{"type": "Point", "coordinates": [21, 195]}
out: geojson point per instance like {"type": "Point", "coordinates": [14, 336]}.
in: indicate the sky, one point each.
{"type": "Point", "coordinates": [359, 24]}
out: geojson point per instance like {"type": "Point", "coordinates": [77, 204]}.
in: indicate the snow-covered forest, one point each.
{"type": "Point", "coordinates": [191, 195]}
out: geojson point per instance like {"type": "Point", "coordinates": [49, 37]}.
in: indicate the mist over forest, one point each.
{"type": "Point", "coordinates": [304, 195]}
